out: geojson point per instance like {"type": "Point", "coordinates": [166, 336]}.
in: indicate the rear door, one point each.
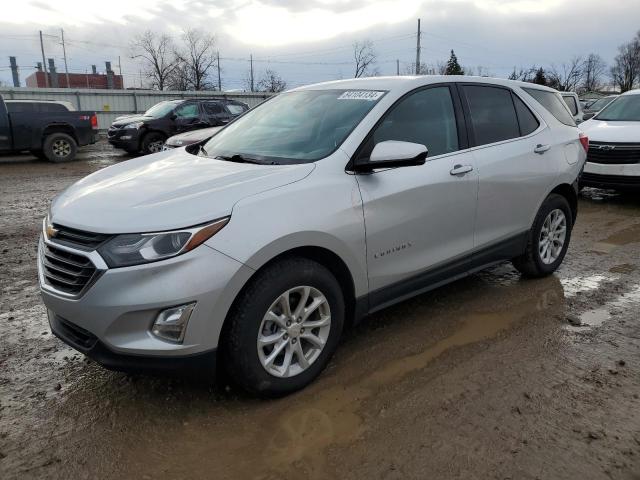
{"type": "Point", "coordinates": [513, 153]}
{"type": "Point", "coordinates": [419, 220]}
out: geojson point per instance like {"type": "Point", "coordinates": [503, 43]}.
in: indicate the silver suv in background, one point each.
{"type": "Point", "coordinates": [322, 205]}
{"type": "Point", "coordinates": [574, 105]}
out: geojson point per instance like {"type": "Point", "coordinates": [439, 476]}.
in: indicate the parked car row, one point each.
{"type": "Point", "coordinates": [49, 130]}
{"type": "Point", "coordinates": [147, 133]}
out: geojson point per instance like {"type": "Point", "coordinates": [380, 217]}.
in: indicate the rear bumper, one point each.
{"type": "Point", "coordinates": [202, 365]}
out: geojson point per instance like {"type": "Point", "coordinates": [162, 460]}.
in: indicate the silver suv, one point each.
{"type": "Point", "coordinates": [321, 205]}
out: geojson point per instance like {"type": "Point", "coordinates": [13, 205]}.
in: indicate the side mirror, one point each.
{"type": "Point", "coordinates": [392, 154]}
{"type": "Point", "coordinates": [173, 116]}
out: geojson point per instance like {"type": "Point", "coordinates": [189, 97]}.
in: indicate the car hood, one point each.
{"type": "Point", "coordinates": [164, 191]}
{"type": "Point", "coordinates": [193, 136]}
{"type": "Point", "coordinates": [614, 132]}
{"type": "Point", "coordinates": [121, 121]}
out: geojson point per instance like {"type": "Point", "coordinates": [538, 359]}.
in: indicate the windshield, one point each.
{"type": "Point", "coordinates": [600, 104]}
{"type": "Point", "coordinates": [294, 127]}
{"type": "Point", "coordinates": [625, 108]}
{"type": "Point", "coordinates": [161, 109]}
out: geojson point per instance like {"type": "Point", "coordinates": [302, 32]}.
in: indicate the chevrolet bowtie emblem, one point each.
{"type": "Point", "coordinates": [51, 231]}
{"type": "Point", "coordinates": [606, 147]}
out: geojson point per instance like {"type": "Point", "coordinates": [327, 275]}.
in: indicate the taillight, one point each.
{"type": "Point", "coordinates": [94, 122]}
{"type": "Point", "coordinates": [584, 140]}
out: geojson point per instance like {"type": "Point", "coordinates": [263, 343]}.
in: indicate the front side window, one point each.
{"type": "Point", "coordinates": [571, 103]}
{"type": "Point", "coordinates": [623, 109]}
{"type": "Point", "coordinates": [294, 127]}
{"type": "Point", "coordinates": [552, 101]}
{"type": "Point", "coordinates": [187, 111]}
{"type": "Point", "coordinates": [161, 109]}
{"type": "Point", "coordinates": [493, 116]}
{"type": "Point", "coordinates": [426, 117]}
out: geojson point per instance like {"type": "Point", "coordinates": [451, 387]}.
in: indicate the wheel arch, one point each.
{"type": "Point", "coordinates": [568, 192]}
{"type": "Point", "coordinates": [58, 128]}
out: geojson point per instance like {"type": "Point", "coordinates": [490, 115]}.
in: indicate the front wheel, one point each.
{"type": "Point", "coordinates": [152, 143]}
{"type": "Point", "coordinates": [548, 238]}
{"type": "Point", "coordinates": [284, 327]}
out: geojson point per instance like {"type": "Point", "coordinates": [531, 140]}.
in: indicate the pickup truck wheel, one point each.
{"type": "Point", "coordinates": [60, 147]}
{"type": "Point", "coordinates": [284, 327]}
{"type": "Point", "coordinates": [152, 142]}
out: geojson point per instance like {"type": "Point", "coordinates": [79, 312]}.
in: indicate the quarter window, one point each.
{"type": "Point", "coordinates": [552, 101]}
{"type": "Point", "coordinates": [571, 103]}
{"type": "Point", "coordinates": [493, 115]}
{"type": "Point", "coordinates": [426, 117]}
{"type": "Point", "coordinates": [527, 120]}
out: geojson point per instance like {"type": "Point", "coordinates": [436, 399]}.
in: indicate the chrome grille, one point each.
{"type": "Point", "coordinates": [65, 271]}
{"type": "Point", "coordinates": [78, 238]}
{"type": "Point", "coordinates": [614, 153]}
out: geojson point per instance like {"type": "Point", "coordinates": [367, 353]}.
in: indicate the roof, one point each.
{"type": "Point", "coordinates": [411, 82]}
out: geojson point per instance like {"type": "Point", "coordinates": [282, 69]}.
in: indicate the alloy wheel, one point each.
{"type": "Point", "coordinates": [294, 331]}
{"type": "Point", "coordinates": [61, 148]}
{"type": "Point", "coordinates": [155, 147]}
{"type": "Point", "coordinates": [552, 236]}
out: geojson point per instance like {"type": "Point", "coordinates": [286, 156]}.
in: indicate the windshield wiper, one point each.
{"type": "Point", "coordinates": [240, 159]}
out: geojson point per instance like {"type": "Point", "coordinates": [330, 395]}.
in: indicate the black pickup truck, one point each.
{"type": "Point", "coordinates": [49, 130]}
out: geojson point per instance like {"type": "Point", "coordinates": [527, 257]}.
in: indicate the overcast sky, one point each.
{"type": "Point", "coordinates": [311, 40]}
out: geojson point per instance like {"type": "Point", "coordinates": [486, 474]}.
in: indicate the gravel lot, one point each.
{"type": "Point", "coordinates": [490, 377]}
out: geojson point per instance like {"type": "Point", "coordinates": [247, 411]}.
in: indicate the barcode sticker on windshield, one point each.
{"type": "Point", "coordinates": [370, 95]}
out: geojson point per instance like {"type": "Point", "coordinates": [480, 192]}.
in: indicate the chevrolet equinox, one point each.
{"type": "Point", "coordinates": [328, 202]}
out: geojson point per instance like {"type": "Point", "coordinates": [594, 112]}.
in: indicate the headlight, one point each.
{"type": "Point", "coordinates": [133, 126]}
{"type": "Point", "coordinates": [137, 248]}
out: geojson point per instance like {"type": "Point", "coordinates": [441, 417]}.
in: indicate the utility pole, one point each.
{"type": "Point", "coordinates": [44, 63]}
{"type": "Point", "coordinates": [251, 70]}
{"type": "Point", "coordinates": [64, 53]}
{"type": "Point", "coordinates": [418, 51]}
{"type": "Point", "coordinates": [219, 80]}
{"type": "Point", "coordinates": [119, 66]}
{"type": "Point", "coordinates": [397, 67]}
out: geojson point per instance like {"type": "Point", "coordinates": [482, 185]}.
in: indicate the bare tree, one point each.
{"type": "Point", "coordinates": [365, 57]}
{"type": "Point", "coordinates": [178, 79]}
{"type": "Point", "coordinates": [157, 53]}
{"type": "Point", "coordinates": [197, 57]}
{"type": "Point", "coordinates": [568, 76]}
{"type": "Point", "coordinates": [626, 67]}
{"type": "Point", "coordinates": [594, 69]}
{"type": "Point", "coordinates": [271, 82]}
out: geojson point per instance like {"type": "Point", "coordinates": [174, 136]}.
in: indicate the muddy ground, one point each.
{"type": "Point", "coordinates": [490, 377]}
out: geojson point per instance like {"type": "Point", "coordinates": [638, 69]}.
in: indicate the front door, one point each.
{"type": "Point", "coordinates": [419, 220]}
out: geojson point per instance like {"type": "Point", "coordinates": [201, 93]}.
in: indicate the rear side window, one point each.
{"type": "Point", "coordinates": [571, 103]}
{"type": "Point", "coordinates": [426, 117]}
{"type": "Point", "coordinates": [493, 115]}
{"type": "Point", "coordinates": [212, 108]}
{"type": "Point", "coordinates": [553, 102]}
{"type": "Point", "coordinates": [527, 120]}
{"type": "Point", "coordinates": [21, 107]}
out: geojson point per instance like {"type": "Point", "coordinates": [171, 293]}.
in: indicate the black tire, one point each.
{"type": "Point", "coordinates": [531, 264]}
{"type": "Point", "coordinates": [239, 339]}
{"type": "Point", "coordinates": [59, 147]}
{"type": "Point", "coordinates": [150, 140]}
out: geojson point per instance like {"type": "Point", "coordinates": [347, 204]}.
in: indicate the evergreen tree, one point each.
{"type": "Point", "coordinates": [540, 77]}
{"type": "Point", "coordinates": [453, 67]}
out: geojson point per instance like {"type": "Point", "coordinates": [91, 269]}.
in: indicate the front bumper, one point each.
{"type": "Point", "coordinates": [131, 140]}
{"type": "Point", "coordinates": [117, 311]}
{"type": "Point", "coordinates": [622, 177]}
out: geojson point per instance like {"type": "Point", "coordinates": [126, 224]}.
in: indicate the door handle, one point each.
{"type": "Point", "coordinates": [461, 169]}
{"type": "Point", "coordinates": [541, 148]}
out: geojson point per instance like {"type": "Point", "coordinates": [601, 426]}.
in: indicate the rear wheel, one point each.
{"type": "Point", "coordinates": [59, 147]}
{"type": "Point", "coordinates": [284, 327]}
{"type": "Point", "coordinates": [152, 142]}
{"type": "Point", "coordinates": [548, 238]}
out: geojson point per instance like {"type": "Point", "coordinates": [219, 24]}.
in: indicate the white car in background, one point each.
{"type": "Point", "coordinates": [573, 102]}
{"type": "Point", "coordinates": [613, 160]}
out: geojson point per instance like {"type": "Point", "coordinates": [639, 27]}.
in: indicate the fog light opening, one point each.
{"type": "Point", "coordinates": [171, 323]}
